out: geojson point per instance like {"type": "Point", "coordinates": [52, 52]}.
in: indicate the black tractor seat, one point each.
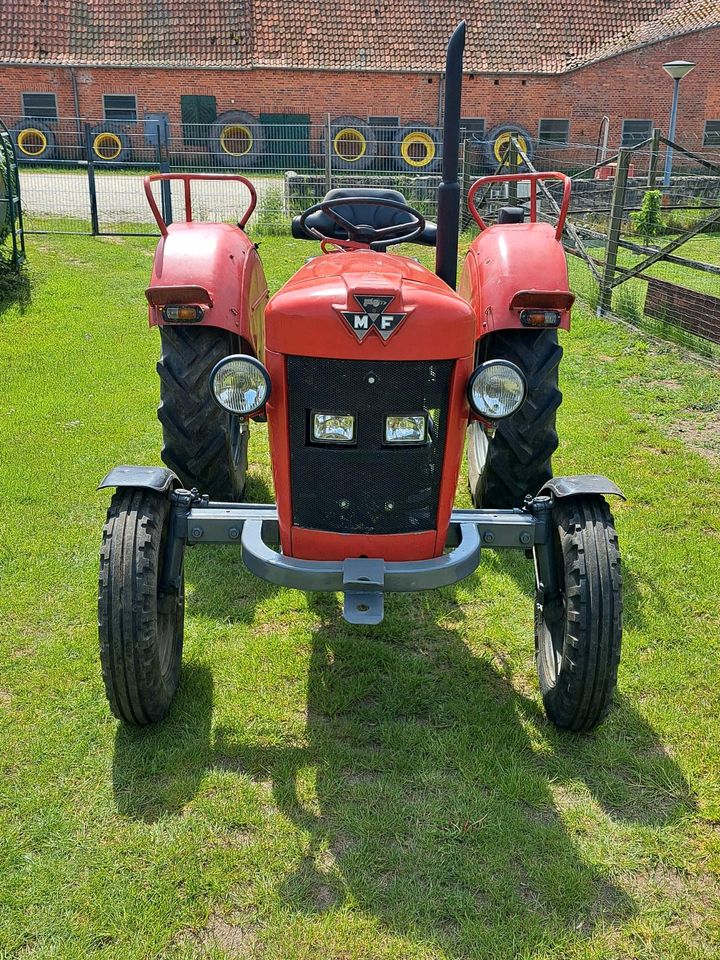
{"type": "Point", "coordinates": [366, 213]}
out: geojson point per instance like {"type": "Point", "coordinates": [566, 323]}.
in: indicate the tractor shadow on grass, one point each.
{"type": "Point", "coordinates": [624, 764]}
{"type": "Point", "coordinates": [436, 799]}
{"type": "Point", "coordinates": [157, 769]}
{"type": "Point", "coordinates": [440, 794]}
{"type": "Point", "coordinates": [217, 580]}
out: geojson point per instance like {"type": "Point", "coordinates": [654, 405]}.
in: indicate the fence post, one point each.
{"type": "Point", "coordinates": [513, 164]}
{"type": "Point", "coordinates": [463, 182]}
{"type": "Point", "coordinates": [92, 189]}
{"type": "Point", "coordinates": [328, 155]}
{"type": "Point", "coordinates": [164, 161]}
{"type": "Point", "coordinates": [654, 157]}
{"type": "Point", "coordinates": [614, 227]}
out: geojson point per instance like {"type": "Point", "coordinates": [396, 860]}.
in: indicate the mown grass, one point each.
{"type": "Point", "coordinates": [333, 792]}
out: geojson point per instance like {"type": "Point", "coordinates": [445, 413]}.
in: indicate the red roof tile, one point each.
{"type": "Point", "coordinates": [538, 36]}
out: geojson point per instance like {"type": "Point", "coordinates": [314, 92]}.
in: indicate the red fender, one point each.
{"type": "Point", "coordinates": [511, 267]}
{"type": "Point", "coordinates": [213, 266]}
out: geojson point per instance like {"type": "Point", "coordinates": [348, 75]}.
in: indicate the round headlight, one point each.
{"type": "Point", "coordinates": [496, 389]}
{"type": "Point", "coordinates": [240, 384]}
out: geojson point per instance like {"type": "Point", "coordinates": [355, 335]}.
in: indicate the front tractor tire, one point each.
{"type": "Point", "coordinates": [140, 624]}
{"type": "Point", "coordinates": [578, 630]}
{"type": "Point", "coordinates": [517, 460]}
{"type": "Point", "coordinates": [205, 446]}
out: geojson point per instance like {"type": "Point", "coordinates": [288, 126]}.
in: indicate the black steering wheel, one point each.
{"type": "Point", "coordinates": [375, 237]}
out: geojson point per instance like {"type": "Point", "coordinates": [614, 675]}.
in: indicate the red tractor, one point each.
{"type": "Point", "coordinates": [372, 372]}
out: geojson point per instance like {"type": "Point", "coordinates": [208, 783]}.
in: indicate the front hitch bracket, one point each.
{"type": "Point", "coordinates": [363, 581]}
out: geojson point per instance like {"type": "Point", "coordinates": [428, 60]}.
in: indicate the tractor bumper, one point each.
{"type": "Point", "coordinates": [363, 581]}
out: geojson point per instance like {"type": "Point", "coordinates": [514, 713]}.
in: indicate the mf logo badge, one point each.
{"type": "Point", "coordinates": [372, 313]}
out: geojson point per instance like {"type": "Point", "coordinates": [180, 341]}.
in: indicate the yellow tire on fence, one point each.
{"type": "Point", "coordinates": [237, 140]}
{"type": "Point", "coordinates": [417, 148]}
{"type": "Point", "coordinates": [34, 141]}
{"type": "Point", "coordinates": [110, 143]}
{"type": "Point", "coordinates": [353, 144]}
{"type": "Point", "coordinates": [499, 143]}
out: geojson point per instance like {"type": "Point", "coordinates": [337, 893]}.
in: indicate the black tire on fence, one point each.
{"type": "Point", "coordinates": [140, 626]}
{"type": "Point", "coordinates": [417, 148]}
{"type": "Point", "coordinates": [34, 142]}
{"type": "Point", "coordinates": [353, 144]}
{"type": "Point", "coordinates": [205, 446]}
{"type": "Point", "coordinates": [110, 143]}
{"type": "Point", "coordinates": [518, 460]}
{"type": "Point", "coordinates": [498, 142]}
{"type": "Point", "coordinates": [578, 635]}
{"type": "Point", "coordinates": [237, 139]}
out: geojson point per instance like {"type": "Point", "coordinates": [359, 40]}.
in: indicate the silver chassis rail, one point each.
{"type": "Point", "coordinates": [363, 581]}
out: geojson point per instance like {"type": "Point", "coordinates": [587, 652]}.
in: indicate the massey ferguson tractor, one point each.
{"type": "Point", "coordinates": [373, 375]}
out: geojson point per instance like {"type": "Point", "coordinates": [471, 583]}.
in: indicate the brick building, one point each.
{"type": "Point", "coordinates": [553, 68]}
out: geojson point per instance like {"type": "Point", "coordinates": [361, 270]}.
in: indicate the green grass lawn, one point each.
{"type": "Point", "coordinates": [327, 792]}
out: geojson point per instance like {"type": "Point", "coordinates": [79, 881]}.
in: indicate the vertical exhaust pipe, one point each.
{"type": "Point", "coordinates": [448, 206]}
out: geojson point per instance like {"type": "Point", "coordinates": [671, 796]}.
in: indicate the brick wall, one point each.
{"type": "Point", "coordinates": [631, 86]}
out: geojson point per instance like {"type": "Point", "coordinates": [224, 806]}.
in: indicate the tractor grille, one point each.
{"type": "Point", "coordinates": [368, 487]}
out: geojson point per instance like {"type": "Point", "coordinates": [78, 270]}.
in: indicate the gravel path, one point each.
{"type": "Point", "coordinates": [121, 198]}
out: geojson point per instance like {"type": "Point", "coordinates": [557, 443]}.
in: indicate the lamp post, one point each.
{"type": "Point", "coordinates": [676, 69]}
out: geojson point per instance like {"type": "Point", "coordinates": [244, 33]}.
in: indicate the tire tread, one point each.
{"type": "Point", "coordinates": [196, 432]}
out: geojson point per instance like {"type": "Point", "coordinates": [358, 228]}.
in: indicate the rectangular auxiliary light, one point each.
{"type": "Point", "coordinates": [406, 428]}
{"type": "Point", "coordinates": [333, 427]}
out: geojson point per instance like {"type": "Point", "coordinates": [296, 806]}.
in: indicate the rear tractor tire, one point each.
{"type": "Point", "coordinates": [578, 632]}
{"type": "Point", "coordinates": [517, 460]}
{"type": "Point", "coordinates": [205, 446]}
{"type": "Point", "coordinates": [140, 624]}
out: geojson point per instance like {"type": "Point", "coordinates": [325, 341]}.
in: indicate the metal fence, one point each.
{"type": "Point", "coordinates": [85, 178]}
{"type": "Point", "coordinates": [647, 252]}
{"type": "Point", "coordinates": [82, 177]}
{"type": "Point", "coordinates": [78, 176]}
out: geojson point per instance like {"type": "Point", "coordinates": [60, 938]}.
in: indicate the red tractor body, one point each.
{"type": "Point", "coordinates": [514, 267]}
{"type": "Point", "coordinates": [357, 490]}
{"type": "Point", "coordinates": [373, 374]}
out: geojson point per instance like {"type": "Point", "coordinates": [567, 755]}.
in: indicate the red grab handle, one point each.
{"type": "Point", "coordinates": [186, 179]}
{"type": "Point", "coordinates": [533, 180]}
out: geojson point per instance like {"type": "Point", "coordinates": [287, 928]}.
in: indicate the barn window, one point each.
{"type": "Point", "coordinates": [554, 131]}
{"type": "Point", "coordinates": [712, 133]}
{"type": "Point", "coordinates": [475, 125]}
{"type": "Point", "coordinates": [635, 131]}
{"type": "Point", "coordinates": [40, 106]}
{"type": "Point", "coordinates": [117, 106]}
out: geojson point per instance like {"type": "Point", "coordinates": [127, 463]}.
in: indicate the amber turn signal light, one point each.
{"type": "Point", "coordinates": [540, 318]}
{"type": "Point", "coordinates": [183, 314]}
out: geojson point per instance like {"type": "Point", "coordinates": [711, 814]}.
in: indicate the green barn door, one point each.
{"type": "Point", "coordinates": [287, 141]}
{"type": "Point", "coordinates": [197, 114]}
